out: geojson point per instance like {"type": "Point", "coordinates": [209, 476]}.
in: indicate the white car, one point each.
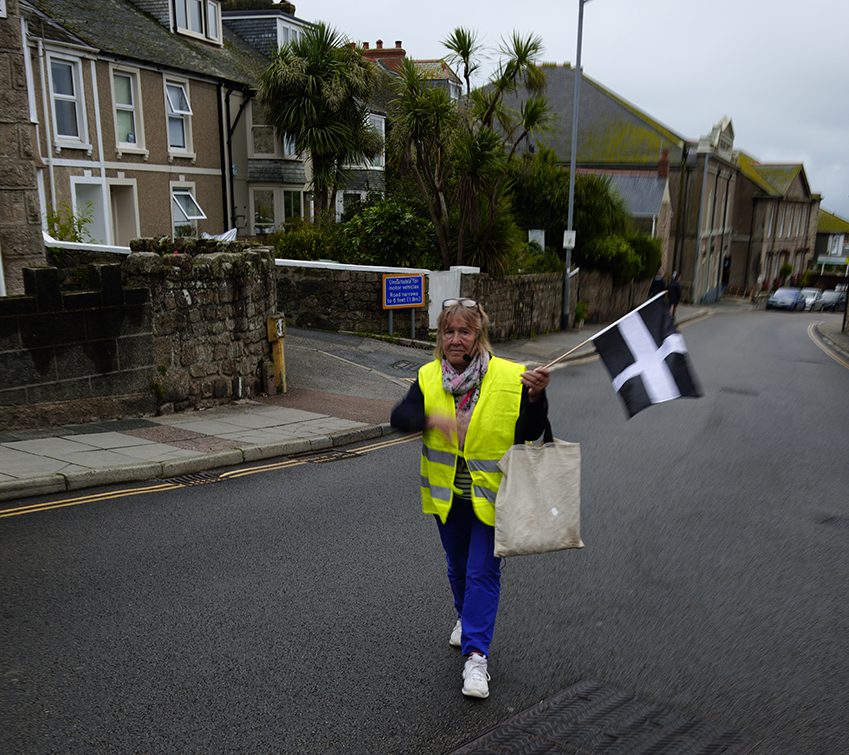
{"type": "Point", "coordinates": [812, 297]}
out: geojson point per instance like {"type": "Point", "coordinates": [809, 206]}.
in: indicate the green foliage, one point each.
{"type": "Point", "coordinates": [63, 224]}
{"type": "Point", "coordinates": [785, 270]}
{"type": "Point", "coordinates": [315, 89]}
{"type": "Point", "coordinates": [650, 252]}
{"type": "Point", "coordinates": [389, 232]}
{"type": "Point", "coordinates": [581, 310]}
{"type": "Point", "coordinates": [458, 154]}
{"type": "Point", "coordinates": [302, 240]}
{"type": "Point", "coordinates": [539, 192]}
{"type": "Point", "coordinates": [532, 258]}
{"type": "Point", "coordinates": [613, 255]}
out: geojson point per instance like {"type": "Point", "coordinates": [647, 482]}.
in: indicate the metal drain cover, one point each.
{"type": "Point", "coordinates": [405, 365]}
{"type": "Point", "coordinates": [197, 478]}
{"type": "Point", "coordinates": [327, 456]}
{"type": "Point", "coordinates": [591, 717]}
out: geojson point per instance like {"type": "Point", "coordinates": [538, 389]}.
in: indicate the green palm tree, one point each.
{"type": "Point", "coordinates": [316, 90]}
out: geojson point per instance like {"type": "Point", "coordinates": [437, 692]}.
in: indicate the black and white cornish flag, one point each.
{"type": "Point", "coordinates": [646, 358]}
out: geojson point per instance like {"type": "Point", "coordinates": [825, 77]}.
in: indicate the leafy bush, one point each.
{"type": "Point", "coordinates": [532, 258]}
{"type": "Point", "coordinates": [389, 232]}
{"type": "Point", "coordinates": [302, 240]}
{"type": "Point", "coordinates": [650, 253]}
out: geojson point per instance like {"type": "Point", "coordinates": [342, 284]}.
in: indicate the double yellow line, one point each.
{"type": "Point", "coordinates": [164, 487]}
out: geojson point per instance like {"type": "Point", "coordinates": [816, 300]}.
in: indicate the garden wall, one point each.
{"type": "Point", "coordinates": [209, 323]}
{"type": "Point", "coordinates": [73, 356]}
{"type": "Point", "coordinates": [606, 301]}
{"type": "Point", "coordinates": [151, 334]}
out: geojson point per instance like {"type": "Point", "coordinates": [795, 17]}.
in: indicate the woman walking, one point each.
{"type": "Point", "coordinates": [471, 407]}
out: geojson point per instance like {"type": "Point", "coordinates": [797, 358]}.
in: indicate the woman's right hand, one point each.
{"type": "Point", "coordinates": [445, 424]}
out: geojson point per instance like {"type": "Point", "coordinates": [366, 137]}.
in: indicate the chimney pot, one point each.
{"type": "Point", "coordinates": [365, 45]}
{"type": "Point", "coordinates": [379, 44]}
{"type": "Point", "coordinates": [397, 44]}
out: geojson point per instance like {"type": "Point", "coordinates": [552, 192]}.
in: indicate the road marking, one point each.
{"type": "Point", "coordinates": [815, 337]}
{"type": "Point", "coordinates": [93, 498]}
{"type": "Point", "coordinates": [163, 487]}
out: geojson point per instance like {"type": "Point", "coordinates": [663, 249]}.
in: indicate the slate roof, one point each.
{"type": "Point", "coordinates": [643, 195]}
{"type": "Point", "coordinates": [831, 223]}
{"type": "Point", "coordinates": [118, 28]}
{"type": "Point", "coordinates": [774, 179]}
{"type": "Point", "coordinates": [611, 130]}
{"type": "Point", "coordinates": [436, 69]}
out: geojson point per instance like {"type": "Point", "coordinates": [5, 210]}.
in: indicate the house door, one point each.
{"type": "Point", "coordinates": [125, 225]}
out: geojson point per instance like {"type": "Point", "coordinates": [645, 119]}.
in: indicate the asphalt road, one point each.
{"type": "Point", "coordinates": [305, 608]}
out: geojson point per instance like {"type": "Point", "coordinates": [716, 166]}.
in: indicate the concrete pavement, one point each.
{"type": "Point", "coordinates": [342, 388]}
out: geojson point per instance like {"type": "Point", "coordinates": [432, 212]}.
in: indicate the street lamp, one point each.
{"type": "Point", "coordinates": [569, 236]}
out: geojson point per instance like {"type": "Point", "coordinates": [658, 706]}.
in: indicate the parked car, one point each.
{"type": "Point", "coordinates": [832, 301]}
{"type": "Point", "coordinates": [812, 297]}
{"type": "Point", "coordinates": [786, 298]}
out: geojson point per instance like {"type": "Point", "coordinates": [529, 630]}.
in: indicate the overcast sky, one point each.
{"type": "Point", "coordinates": [779, 69]}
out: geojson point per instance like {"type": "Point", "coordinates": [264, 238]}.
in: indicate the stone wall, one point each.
{"type": "Point", "coordinates": [351, 299]}
{"type": "Point", "coordinates": [74, 356]}
{"type": "Point", "coordinates": [336, 298]}
{"type": "Point", "coordinates": [209, 324]}
{"type": "Point", "coordinates": [605, 301]}
{"type": "Point", "coordinates": [20, 220]}
{"type": "Point", "coordinates": [519, 306]}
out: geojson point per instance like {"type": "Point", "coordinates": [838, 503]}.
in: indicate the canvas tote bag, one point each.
{"type": "Point", "coordinates": [538, 506]}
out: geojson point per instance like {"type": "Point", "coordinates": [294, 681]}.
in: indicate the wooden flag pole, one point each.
{"type": "Point", "coordinates": [603, 330]}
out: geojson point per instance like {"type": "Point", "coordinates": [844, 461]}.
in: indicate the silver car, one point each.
{"type": "Point", "coordinates": [812, 298]}
{"type": "Point", "coordinates": [786, 298]}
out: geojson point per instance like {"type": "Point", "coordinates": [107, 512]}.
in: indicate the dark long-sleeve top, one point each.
{"type": "Point", "coordinates": [409, 415]}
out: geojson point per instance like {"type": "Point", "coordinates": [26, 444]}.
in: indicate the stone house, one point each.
{"type": "Point", "coordinates": [775, 223]}
{"type": "Point", "coordinates": [20, 214]}
{"type": "Point", "coordinates": [832, 243]}
{"type": "Point", "coordinates": [138, 130]}
{"type": "Point", "coordinates": [709, 231]}
{"type": "Point", "coordinates": [274, 172]}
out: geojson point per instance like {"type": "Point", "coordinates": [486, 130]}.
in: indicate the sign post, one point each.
{"type": "Point", "coordinates": [275, 327]}
{"type": "Point", "coordinates": [403, 291]}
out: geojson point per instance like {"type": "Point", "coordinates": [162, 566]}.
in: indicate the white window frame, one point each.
{"type": "Point", "coordinates": [287, 33]}
{"type": "Point", "coordinates": [378, 123]}
{"type": "Point", "coordinates": [81, 140]}
{"type": "Point", "coordinates": [185, 115]}
{"type": "Point", "coordinates": [278, 204]}
{"type": "Point", "coordinates": [210, 16]}
{"type": "Point", "coordinates": [284, 147]}
{"type": "Point", "coordinates": [184, 188]}
{"type": "Point", "coordinates": [138, 146]}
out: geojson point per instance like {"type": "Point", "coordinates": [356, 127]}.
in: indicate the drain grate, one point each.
{"type": "Point", "coordinates": [593, 717]}
{"type": "Point", "coordinates": [197, 478]}
{"type": "Point", "coordinates": [327, 456]}
{"type": "Point", "coordinates": [405, 365]}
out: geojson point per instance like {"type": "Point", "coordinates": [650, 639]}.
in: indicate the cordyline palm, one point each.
{"type": "Point", "coordinates": [464, 48]}
{"type": "Point", "coordinates": [459, 154]}
{"type": "Point", "coordinates": [424, 130]}
{"type": "Point", "coordinates": [316, 89]}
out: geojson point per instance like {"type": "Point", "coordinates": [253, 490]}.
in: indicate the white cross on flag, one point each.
{"type": "Point", "coordinates": [647, 358]}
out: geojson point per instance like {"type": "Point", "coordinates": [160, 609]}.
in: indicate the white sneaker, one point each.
{"type": "Point", "coordinates": [456, 635]}
{"type": "Point", "coordinates": [475, 677]}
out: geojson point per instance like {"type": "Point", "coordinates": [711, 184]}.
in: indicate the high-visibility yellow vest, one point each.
{"type": "Point", "coordinates": [490, 433]}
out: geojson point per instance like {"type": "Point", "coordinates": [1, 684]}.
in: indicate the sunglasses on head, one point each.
{"type": "Point", "coordinates": [467, 303]}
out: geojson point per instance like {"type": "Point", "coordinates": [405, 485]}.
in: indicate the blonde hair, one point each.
{"type": "Point", "coordinates": [474, 317]}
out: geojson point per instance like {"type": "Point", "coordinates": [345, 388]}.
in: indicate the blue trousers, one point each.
{"type": "Point", "coordinates": [473, 572]}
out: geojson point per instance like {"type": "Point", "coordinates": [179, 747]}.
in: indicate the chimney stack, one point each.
{"type": "Point", "coordinates": [663, 164]}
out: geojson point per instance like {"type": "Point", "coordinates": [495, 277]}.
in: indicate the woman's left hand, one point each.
{"type": "Point", "coordinates": [536, 381]}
